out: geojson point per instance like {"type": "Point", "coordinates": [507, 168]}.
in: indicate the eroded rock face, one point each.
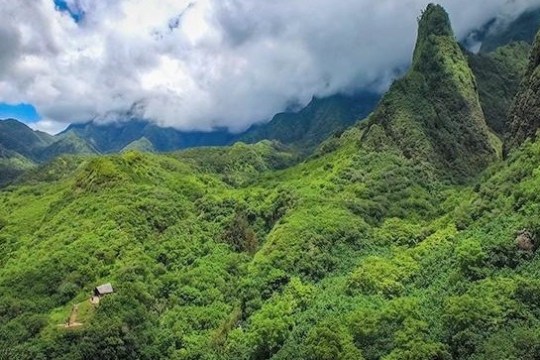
{"type": "Point", "coordinates": [526, 241]}
{"type": "Point", "coordinates": [524, 117]}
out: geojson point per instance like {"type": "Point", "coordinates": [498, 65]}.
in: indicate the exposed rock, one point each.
{"type": "Point", "coordinates": [526, 241]}
{"type": "Point", "coordinates": [524, 118]}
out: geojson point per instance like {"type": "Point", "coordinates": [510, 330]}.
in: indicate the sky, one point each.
{"type": "Point", "coordinates": [203, 64]}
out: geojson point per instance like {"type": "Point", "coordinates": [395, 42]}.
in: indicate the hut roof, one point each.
{"type": "Point", "coordinates": [104, 289]}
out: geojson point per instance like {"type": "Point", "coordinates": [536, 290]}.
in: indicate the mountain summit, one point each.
{"type": "Point", "coordinates": [433, 113]}
{"type": "Point", "coordinates": [433, 23]}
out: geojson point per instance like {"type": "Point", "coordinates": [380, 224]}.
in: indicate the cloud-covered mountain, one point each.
{"type": "Point", "coordinates": [205, 64]}
{"type": "Point", "coordinates": [21, 147]}
{"type": "Point", "coordinates": [305, 128]}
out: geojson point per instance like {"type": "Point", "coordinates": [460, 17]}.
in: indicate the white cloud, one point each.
{"type": "Point", "coordinates": [48, 126]}
{"type": "Point", "coordinates": [199, 64]}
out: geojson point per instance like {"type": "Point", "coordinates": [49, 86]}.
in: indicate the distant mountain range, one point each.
{"type": "Point", "coordinates": [498, 70]}
{"type": "Point", "coordinates": [522, 29]}
{"type": "Point", "coordinates": [305, 128]}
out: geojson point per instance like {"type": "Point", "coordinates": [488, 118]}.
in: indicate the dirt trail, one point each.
{"type": "Point", "coordinates": [72, 321]}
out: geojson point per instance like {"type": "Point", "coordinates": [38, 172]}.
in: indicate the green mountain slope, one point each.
{"type": "Point", "coordinates": [433, 113]}
{"type": "Point", "coordinates": [12, 165]}
{"type": "Point", "coordinates": [499, 75]}
{"type": "Point", "coordinates": [362, 251]}
{"type": "Point", "coordinates": [66, 144]}
{"type": "Point", "coordinates": [307, 128]}
{"type": "Point", "coordinates": [524, 117]}
{"type": "Point", "coordinates": [18, 137]}
{"type": "Point", "coordinates": [22, 148]}
{"type": "Point", "coordinates": [142, 144]}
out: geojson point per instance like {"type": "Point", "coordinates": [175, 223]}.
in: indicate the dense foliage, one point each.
{"type": "Point", "coordinates": [524, 118]}
{"type": "Point", "coordinates": [498, 75]}
{"type": "Point", "coordinates": [351, 254]}
{"type": "Point", "coordinates": [433, 113]}
{"type": "Point", "coordinates": [361, 251]}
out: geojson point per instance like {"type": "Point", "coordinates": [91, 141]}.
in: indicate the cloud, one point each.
{"type": "Point", "coordinates": [48, 126]}
{"type": "Point", "coordinates": [201, 64]}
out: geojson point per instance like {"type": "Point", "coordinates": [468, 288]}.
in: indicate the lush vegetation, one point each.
{"type": "Point", "coordinates": [351, 254]}
{"type": "Point", "coordinates": [377, 246]}
{"type": "Point", "coordinates": [498, 75]}
{"type": "Point", "coordinates": [434, 112]}
{"type": "Point", "coordinates": [524, 117]}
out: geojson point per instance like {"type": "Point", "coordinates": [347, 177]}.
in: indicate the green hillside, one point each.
{"type": "Point", "coordinates": [353, 254]}
{"type": "Point", "coordinates": [307, 128]}
{"type": "Point", "coordinates": [22, 149]}
{"type": "Point", "coordinates": [142, 144]}
{"type": "Point", "coordinates": [12, 165]}
{"type": "Point", "coordinates": [17, 137]}
{"type": "Point", "coordinates": [401, 238]}
{"type": "Point", "coordinates": [66, 144]}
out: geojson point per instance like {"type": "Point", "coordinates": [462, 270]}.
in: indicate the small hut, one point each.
{"type": "Point", "coordinates": [101, 291]}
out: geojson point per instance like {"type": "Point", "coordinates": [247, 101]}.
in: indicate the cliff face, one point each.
{"type": "Point", "coordinates": [524, 117]}
{"type": "Point", "coordinates": [433, 113]}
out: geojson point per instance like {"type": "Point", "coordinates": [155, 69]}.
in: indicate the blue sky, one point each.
{"type": "Point", "coordinates": [26, 112]}
{"type": "Point", "coordinates": [23, 112]}
{"type": "Point", "coordinates": [61, 5]}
